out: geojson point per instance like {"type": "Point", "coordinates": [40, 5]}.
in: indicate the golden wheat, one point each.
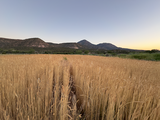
{"type": "Point", "coordinates": [62, 87]}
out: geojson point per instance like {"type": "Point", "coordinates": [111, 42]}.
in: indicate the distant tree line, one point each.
{"type": "Point", "coordinates": [42, 51]}
{"type": "Point", "coordinates": [117, 52]}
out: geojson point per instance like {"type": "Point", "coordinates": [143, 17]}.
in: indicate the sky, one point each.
{"type": "Point", "coordinates": [125, 23]}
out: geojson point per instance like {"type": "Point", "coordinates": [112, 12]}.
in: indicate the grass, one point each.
{"type": "Point", "coordinates": [62, 87]}
{"type": "Point", "coordinates": [142, 56]}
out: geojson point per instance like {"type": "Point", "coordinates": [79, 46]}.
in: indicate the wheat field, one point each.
{"type": "Point", "coordinates": [78, 87]}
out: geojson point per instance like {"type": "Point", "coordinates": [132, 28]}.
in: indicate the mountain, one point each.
{"type": "Point", "coordinates": [31, 42]}
{"type": "Point", "coordinates": [38, 43]}
{"type": "Point", "coordinates": [87, 44]}
{"type": "Point", "coordinates": [67, 45]}
{"type": "Point", "coordinates": [34, 42]}
{"type": "Point", "coordinates": [105, 46]}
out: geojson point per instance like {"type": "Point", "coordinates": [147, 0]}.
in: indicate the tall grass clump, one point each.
{"type": "Point", "coordinates": [156, 56]}
{"type": "Point", "coordinates": [142, 56]}
{"type": "Point", "coordinates": [62, 87]}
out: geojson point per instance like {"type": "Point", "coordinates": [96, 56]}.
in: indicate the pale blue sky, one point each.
{"type": "Point", "coordinates": [125, 23]}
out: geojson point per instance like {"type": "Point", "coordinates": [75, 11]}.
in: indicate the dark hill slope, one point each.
{"type": "Point", "coordinates": [31, 42]}
{"type": "Point", "coordinates": [105, 46]}
{"type": "Point", "coordinates": [67, 45]}
{"type": "Point", "coordinates": [87, 44]}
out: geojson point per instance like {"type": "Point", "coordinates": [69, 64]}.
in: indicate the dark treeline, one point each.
{"type": "Point", "coordinates": [70, 51]}
{"type": "Point", "coordinates": [123, 53]}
